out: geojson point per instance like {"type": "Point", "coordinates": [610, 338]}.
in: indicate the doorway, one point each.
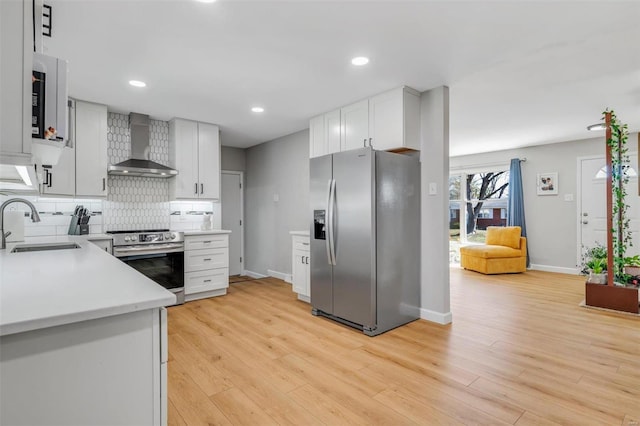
{"type": "Point", "coordinates": [233, 218]}
{"type": "Point", "coordinates": [592, 208]}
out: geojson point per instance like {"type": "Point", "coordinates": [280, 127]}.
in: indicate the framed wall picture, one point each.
{"type": "Point", "coordinates": [547, 183]}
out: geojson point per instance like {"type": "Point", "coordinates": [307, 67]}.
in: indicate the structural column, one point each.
{"type": "Point", "coordinates": [434, 158]}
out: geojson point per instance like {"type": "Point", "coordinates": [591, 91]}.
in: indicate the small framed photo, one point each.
{"type": "Point", "coordinates": [547, 184]}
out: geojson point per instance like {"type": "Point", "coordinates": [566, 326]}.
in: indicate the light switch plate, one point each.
{"type": "Point", "coordinates": [276, 198]}
{"type": "Point", "coordinates": [433, 188]}
{"type": "Point", "coordinates": [568, 197]}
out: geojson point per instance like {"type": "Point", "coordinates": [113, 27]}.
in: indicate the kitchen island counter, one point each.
{"type": "Point", "coordinates": [43, 289]}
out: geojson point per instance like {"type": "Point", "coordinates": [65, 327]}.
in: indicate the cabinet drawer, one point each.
{"type": "Point", "coordinates": [198, 260]}
{"type": "Point", "coordinates": [197, 282]}
{"type": "Point", "coordinates": [206, 241]}
{"type": "Point", "coordinates": [300, 243]}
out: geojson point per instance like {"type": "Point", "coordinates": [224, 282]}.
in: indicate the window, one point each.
{"type": "Point", "coordinates": [485, 214]}
{"type": "Point", "coordinates": [474, 199]}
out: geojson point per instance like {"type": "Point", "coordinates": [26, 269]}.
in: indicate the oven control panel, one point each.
{"type": "Point", "coordinates": [134, 238]}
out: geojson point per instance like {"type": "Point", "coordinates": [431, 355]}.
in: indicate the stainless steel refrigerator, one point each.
{"type": "Point", "coordinates": [365, 238]}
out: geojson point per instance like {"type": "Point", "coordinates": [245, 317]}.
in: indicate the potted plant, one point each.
{"type": "Point", "coordinates": [594, 264]}
{"type": "Point", "coordinates": [632, 269]}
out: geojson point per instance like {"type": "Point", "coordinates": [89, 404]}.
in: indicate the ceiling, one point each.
{"type": "Point", "coordinates": [520, 73]}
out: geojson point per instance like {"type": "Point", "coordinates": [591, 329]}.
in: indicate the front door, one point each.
{"type": "Point", "coordinates": [593, 204]}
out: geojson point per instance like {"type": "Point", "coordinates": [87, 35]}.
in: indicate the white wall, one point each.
{"type": "Point", "coordinates": [279, 168]}
{"type": "Point", "coordinates": [551, 221]}
{"type": "Point", "coordinates": [233, 159]}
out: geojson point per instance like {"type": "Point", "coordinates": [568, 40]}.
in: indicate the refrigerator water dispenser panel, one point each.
{"type": "Point", "coordinates": [318, 225]}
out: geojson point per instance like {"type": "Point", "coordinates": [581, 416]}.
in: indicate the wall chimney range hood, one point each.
{"type": "Point", "coordinates": [139, 163]}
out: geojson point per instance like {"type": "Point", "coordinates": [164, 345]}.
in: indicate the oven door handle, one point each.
{"type": "Point", "coordinates": [141, 250]}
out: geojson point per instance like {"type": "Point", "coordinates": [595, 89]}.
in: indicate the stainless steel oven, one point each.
{"type": "Point", "coordinates": [157, 254]}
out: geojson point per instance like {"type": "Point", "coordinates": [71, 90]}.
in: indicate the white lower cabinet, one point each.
{"type": "Point", "coordinates": [206, 266]}
{"type": "Point", "coordinates": [301, 263]}
{"type": "Point", "coordinates": [109, 370]}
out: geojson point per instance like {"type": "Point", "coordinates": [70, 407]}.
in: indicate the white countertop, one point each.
{"type": "Point", "coordinates": [208, 232]}
{"type": "Point", "coordinates": [301, 233]}
{"type": "Point", "coordinates": [48, 288]}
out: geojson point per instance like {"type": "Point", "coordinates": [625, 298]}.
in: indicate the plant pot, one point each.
{"type": "Point", "coordinates": [632, 270]}
{"type": "Point", "coordinates": [617, 298]}
{"type": "Point", "coordinates": [594, 278]}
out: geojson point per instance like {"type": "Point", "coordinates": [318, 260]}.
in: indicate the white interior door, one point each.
{"type": "Point", "coordinates": [593, 204]}
{"type": "Point", "coordinates": [232, 218]}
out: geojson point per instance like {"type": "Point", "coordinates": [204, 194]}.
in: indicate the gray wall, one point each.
{"type": "Point", "coordinates": [551, 221]}
{"type": "Point", "coordinates": [276, 168]}
{"type": "Point", "coordinates": [233, 159]}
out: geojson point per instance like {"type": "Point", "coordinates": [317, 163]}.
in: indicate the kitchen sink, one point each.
{"type": "Point", "coordinates": [43, 247]}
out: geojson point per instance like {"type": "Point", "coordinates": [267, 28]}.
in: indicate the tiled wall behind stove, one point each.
{"type": "Point", "coordinates": [143, 203]}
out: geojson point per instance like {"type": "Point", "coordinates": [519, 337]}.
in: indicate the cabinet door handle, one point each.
{"type": "Point", "coordinates": [104, 184]}
{"type": "Point", "coordinates": [307, 260]}
{"type": "Point", "coordinates": [207, 281]}
{"type": "Point", "coordinates": [371, 146]}
{"type": "Point", "coordinates": [50, 178]}
{"type": "Point", "coordinates": [207, 260]}
{"type": "Point", "coordinates": [196, 188]}
{"type": "Point", "coordinates": [365, 142]}
{"type": "Point", "coordinates": [202, 188]}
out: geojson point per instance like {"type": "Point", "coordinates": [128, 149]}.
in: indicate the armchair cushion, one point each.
{"type": "Point", "coordinates": [508, 236]}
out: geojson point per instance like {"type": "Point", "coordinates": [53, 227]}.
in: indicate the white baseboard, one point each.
{"type": "Point", "coordinates": [253, 274]}
{"type": "Point", "coordinates": [558, 269]}
{"type": "Point", "coordinates": [437, 317]}
{"type": "Point", "coordinates": [280, 275]}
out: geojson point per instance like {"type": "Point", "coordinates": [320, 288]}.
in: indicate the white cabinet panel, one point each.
{"type": "Point", "coordinates": [61, 178]}
{"type": "Point", "coordinates": [197, 282]}
{"type": "Point", "coordinates": [198, 260]}
{"type": "Point", "coordinates": [394, 119]}
{"type": "Point", "coordinates": [106, 245]}
{"type": "Point", "coordinates": [354, 120]}
{"type": "Point", "coordinates": [301, 272]}
{"type": "Point", "coordinates": [206, 242]}
{"type": "Point", "coordinates": [317, 140]}
{"type": "Point", "coordinates": [194, 150]}
{"type": "Point", "coordinates": [90, 140]}
{"type": "Point", "coordinates": [209, 161]}
{"type": "Point", "coordinates": [16, 45]}
{"type": "Point", "coordinates": [332, 131]}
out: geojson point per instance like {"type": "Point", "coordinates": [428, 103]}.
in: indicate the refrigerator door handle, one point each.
{"type": "Point", "coordinates": [331, 231]}
{"type": "Point", "coordinates": [328, 223]}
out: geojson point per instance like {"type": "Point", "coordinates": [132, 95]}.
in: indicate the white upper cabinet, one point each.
{"type": "Point", "coordinates": [209, 161]}
{"type": "Point", "coordinates": [194, 150]}
{"type": "Point", "coordinates": [355, 126]}
{"type": "Point", "coordinates": [394, 120]}
{"type": "Point", "coordinates": [317, 141]}
{"type": "Point", "coordinates": [16, 45]}
{"type": "Point", "coordinates": [324, 134]}
{"type": "Point", "coordinates": [89, 136]}
{"type": "Point", "coordinates": [332, 130]}
{"type": "Point", "coordinates": [61, 178]}
{"type": "Point", "coordinates": [389, 121]}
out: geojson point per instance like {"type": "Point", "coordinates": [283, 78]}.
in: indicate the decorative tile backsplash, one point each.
{"type": "Point", "coordinates": [136, 202]}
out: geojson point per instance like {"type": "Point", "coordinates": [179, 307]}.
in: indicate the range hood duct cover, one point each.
{"type": "Point", "coordinates": [139, 163]}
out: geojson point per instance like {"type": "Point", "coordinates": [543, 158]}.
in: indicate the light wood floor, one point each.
{"type": "Point", "coordinates": [520, 351]}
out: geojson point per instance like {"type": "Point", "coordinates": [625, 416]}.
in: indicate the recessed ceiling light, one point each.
{"type": "Point", "coordinates": [137, 83]}
{"type": "Point", "coordinates": [597, 127]}
{"type": "Point", "coordinates": [207, 1]}
{"type": "Point", "coordinates": [359, 61]}
{"type": "Point", "coordinates": [257, 109]}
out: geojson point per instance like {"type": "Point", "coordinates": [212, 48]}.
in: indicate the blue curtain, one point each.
{"type": "Point", "coordinates": [515, 213]}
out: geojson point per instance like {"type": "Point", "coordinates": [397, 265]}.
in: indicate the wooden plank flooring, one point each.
{"type": "Point", "coordinates": [519, 351]}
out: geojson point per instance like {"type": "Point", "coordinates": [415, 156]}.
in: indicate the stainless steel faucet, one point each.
{"type": "Point", "coordinates": [35, 217]}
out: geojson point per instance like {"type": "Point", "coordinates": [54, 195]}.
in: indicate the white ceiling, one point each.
{"type": "Point", "coordinates": [520, 73]}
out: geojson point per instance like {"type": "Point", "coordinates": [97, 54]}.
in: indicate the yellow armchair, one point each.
{"type": "Point", "coordinates": [505, 252]}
